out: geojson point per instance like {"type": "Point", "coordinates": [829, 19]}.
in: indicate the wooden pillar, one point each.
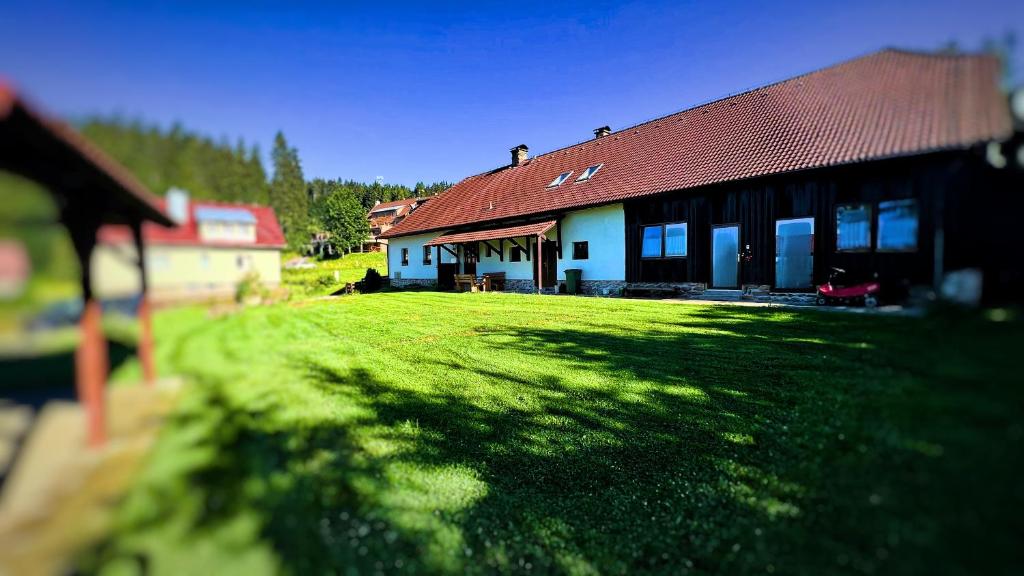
{"type": "Point", "coordinates": [91, 356]}
{"type": "Point", "coordinates": [145, 346]}
{"type": "Point", "coordinates": [540, 265]}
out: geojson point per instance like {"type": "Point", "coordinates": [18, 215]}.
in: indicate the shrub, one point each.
{"type": "Point", "coordinates": [248, 287]}
{"type": "Point", "coordinates": [372, 281]}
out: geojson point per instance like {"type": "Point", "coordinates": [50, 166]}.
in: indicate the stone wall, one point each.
{"type": "Point", "coordinates": [406, 282]}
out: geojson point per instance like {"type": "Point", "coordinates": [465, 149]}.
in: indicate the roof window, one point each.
{"type": "Point", "coordinates": [589, 173]}
{"type": "Point", "coordinates": [561, 178]}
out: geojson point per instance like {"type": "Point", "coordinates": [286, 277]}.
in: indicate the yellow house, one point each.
{"type": "Point", "coordinates": [214, 247]}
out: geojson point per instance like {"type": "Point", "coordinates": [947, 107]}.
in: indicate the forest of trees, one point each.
{"type": "Point", "coordinates": [233, 172]}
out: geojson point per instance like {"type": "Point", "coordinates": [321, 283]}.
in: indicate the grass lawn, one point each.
{"type": "Point", "coordinates": [320, 281]}
{"type": "Point", "coordinates": [427, 432]}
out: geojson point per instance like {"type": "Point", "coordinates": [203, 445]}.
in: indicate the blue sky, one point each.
{"type": "Point", "coordinates": [436, 91]}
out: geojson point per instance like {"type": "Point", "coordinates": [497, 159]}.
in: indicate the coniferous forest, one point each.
{"type": "Point", "coordinates": [219, 169]}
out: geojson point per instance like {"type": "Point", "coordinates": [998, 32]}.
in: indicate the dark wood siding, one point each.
{"type": "Point", "coordinates": [942, 184]}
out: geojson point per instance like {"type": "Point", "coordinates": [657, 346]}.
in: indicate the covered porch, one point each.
{"type": "Point", "coordinates": [536, 243]}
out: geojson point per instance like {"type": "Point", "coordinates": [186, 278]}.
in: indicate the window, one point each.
{"type": "Point", "coordinates": [589, 172]}
{"type": "Point", "coordinates": [853, 227]}
{"type": "Point", "coordinates": [515, 254]}
{"type": "Point", "coordinates": [651, 246]}
{"type": "Point", "coordinates": [580, 250]}
{"type": "Point", "coordinates": [897, 225]}
{"type": "Point", "coordinates": [561, 178]}
{"type": "Point", "coordinates": [405, 256]}
{"type": "Point", "coordinates": [426, 255]}
{"type": "Point", "coordinates": [664, 241]}
{"type": "Point", "coordinates": [675, 240]}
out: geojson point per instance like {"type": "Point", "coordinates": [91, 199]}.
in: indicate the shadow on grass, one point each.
{"type": "Point", "coordinates": [741, 449]}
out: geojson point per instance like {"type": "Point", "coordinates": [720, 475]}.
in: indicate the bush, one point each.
{"type": "Point", "coordinates": [372, 281]}
{"type": "Point", "coordinates": [248, 287]}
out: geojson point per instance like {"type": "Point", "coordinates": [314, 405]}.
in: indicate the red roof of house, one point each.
{"type": "Point", "coordinates": [887, 104]}
{"type": "Point", "coordinates": [268, 230]}
{"type": "Point", "coordinates": [394, 204]}
{"type": "Point", "coordinates": [494, 234]}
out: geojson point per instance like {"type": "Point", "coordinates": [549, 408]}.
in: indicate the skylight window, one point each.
{"type": "Point", "coordinates": [561, 178]}
{"type": "Point", "coordinates": [589, 173]}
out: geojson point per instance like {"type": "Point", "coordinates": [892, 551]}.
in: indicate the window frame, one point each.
{"type": "Point", "coordinates": [878, 228]}
{"type": "Point", "coordinates": [871, 227]}
{"type": "Point", "coordinates": [428, 256]}
{"type": "Point", "coordinates": [585, 245]}
{"type": "Point", "coordinates": [405, 256]}
{"type": "Point", "coordinates": [561, 179]}
{"type": "Point", "coordinates": [515, 254]}
{"type": "Point", "coordinates": [585, 177]}
{"type": "Point", "coordinates": [664, 239]}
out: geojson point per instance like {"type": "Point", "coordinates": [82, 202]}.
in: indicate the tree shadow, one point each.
{"type": "Point", "coordinates": [732, 443]}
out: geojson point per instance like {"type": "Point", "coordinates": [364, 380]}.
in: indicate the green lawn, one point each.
{"type": "Point", "coordinates": [320, 281]}
{"type": "Point", "coordinates": [427, 432]}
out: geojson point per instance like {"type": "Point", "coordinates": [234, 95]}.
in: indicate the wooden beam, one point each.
{"type": "Point", "coordinates": [91, 356]}
{"type": "Point", "coordinates": [540, 263]}
{"type": "Point", "coordinates": [501, 250]}
{"type": "Point", "coordinates": [449, 250]}
{"type": "Point", "coordinates": [145, 348]}
{"type": "Point", "coordinates": [558, 240]}
{"type": "Point", "coordinates": [491, 247]}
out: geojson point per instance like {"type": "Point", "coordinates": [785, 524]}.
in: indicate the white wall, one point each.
{"type": "Point", "coordinates": [415, 269]}
{"type": "Point", "coordinates": [604, 228]}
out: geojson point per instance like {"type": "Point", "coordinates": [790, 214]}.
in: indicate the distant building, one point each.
{"type": "Point", "coordinates": [214, 246]}
{"type": "Point", "coordinates": [386, 215]}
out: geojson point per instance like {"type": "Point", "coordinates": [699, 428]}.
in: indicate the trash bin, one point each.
{"type": "Point", "coordinates": [572, 280]}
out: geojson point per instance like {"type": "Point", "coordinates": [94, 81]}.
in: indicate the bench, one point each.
{"type": "Point", "coordinates": [465, 282]}
{"type": "Point", "coordinates": [494, 282]}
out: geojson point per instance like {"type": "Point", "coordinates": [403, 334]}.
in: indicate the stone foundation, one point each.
{"type": "Point", "coordinates": [793, 298]}
{"type": "Point", "coordinates": [407, 282]}
{"type": "Point", "coordinates": [521, 286]}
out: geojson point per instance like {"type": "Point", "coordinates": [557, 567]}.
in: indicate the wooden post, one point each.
{"type": "Point", "coordinates": [145, 347]}
{"type": "Point", "coordinates": [540, 265]}
{"type": "Point", "coordinates": [91, 356]}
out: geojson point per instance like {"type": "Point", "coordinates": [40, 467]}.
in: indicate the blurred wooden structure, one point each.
{"type": "Point", "coordinates": [90, 190]}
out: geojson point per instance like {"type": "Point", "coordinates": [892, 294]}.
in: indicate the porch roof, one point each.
{"type": "Point", "coordinates": [494, 234]}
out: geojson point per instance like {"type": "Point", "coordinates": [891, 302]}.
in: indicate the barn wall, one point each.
{"type": "Point", "coordinates": [757, 204]}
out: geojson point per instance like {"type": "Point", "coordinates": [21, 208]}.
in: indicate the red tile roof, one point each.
{"type": "Point", "coordinates": [890, 103]}
{"type": "Point", "coordinates": [268, 230]}
{"type": "Point", "coordinates": [494, 234]}
{"type": "Point", "coordinates": [395, 203]}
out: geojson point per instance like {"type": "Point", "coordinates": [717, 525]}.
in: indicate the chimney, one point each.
{"type": "Point", "coordinates": [377, 203]}
{"type": "Point", "coordinates": [602, 131]}
{"type": "Point", "coordinates": [519, 154]}
{"type": "Point", "coordinates": [177, 205]}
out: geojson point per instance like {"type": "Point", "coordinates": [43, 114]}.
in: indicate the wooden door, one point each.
{"type": "Point", "coordinates": [548, 264]}
{"type": "Point", "coordinates": [471, 253]}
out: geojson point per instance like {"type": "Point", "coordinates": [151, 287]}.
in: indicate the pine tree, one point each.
{"type": "Point", "coordinates": [288, 193]}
